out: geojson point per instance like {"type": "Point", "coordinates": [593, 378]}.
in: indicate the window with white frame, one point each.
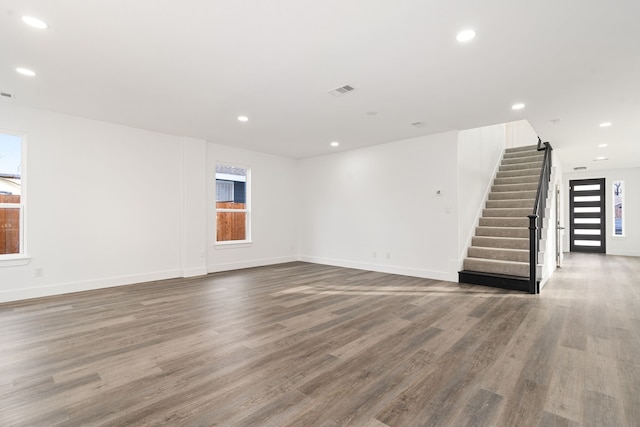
{"type": "Point", "coordinates": [232, 203]}
{"type": "Point", "coordinates": [11, 196]}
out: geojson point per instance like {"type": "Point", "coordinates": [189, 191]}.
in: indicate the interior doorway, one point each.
{"type": "Point", "coordinates": [587, 215]}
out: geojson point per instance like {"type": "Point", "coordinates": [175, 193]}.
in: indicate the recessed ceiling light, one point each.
{"type": "Point", "coordinates": [335, 143]}
{"type": "Point", "coordinates": [602, 145]}
{"type": "Point", "coordinates": [34, 22]}
{"type": "Point", "coordinates": [243, 118]}
{"type": "Point", "coordinates": [26, 72]}
{"type": "Point", "coordinates": [597, 159]}
{"type": "Point", "coordinates": [605, 124]}
{"type": "Point", "coordinates": [465, 36]}
{"type": "Point", "coordinates": [517, 106]}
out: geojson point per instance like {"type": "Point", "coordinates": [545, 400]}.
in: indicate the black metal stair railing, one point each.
{"type": "Point", "coordinates": [537, 217]}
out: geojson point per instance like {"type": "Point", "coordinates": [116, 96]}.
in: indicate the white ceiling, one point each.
{"type": "Point", "coordinates": [190, 67]}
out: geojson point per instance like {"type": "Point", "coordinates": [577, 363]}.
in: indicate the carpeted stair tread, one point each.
{"type": "Point", "coordinates": [520, 172]}
{"type": "Point", "coordinates": [520, 160]}
{"type": "Point", "coordinates": [510, 268]}
{"type": "Point", "coordinates": [518, 255]}
{"type": "Point", "coordinates": [520, 155]}
{"type": "Point", "coordinates": [506, 212]}
{"type": "Point", "coordinates": [512, 195]}
{"type": "Point", "coordinates": [529, 186]}
{"type": "Point", "coordinates": [504, 222]}
{"type": "Point", "coordinates": [500, 242]}
{"type": "Point", "coordinates": [521, 148]}
{"type": "Point", "coordinates": [510, 203]}
{"type": "Point", "coordinates": [528, 179]}
{"type": "Point", "coordinates": [520, 166]}
{"type": "Point", "coordinates": [521, 232]}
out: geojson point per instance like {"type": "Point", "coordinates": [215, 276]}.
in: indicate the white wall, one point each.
{"type": "Point", "coordinates": [109, 205]}
{"type": "Point", "coordinates": [479, 154]}
{"type": "Point", "coordinates": [376, 208]}
{"type": "Point", "coordinates": [274, 210]}
{"type": "Point", "coordinates": [520, 134]}
{"type": "Point", "coordinates": [629, 244]}
{"type": "Point", "coordinates": [193, 221]}
{"type": "Point", "coordinates": [103, 204]}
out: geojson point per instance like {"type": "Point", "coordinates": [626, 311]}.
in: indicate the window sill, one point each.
{"type": "Point", "coordinates": [14, 260]}
{"type": "Point", "coordinates": [234, 244]}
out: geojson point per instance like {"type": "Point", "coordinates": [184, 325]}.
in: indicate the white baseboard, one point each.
{"type": "Point", "coordinates": [390, 269]}
{"type": "Point", "coordinates": [88, 285]}
{"type": "Point", "coordinates": [193, 272]}
{"type": "Point", "coordinates": [214, 268]}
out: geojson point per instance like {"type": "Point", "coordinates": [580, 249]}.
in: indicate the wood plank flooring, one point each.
{"type": "Point", "coordinates": [310, 345]}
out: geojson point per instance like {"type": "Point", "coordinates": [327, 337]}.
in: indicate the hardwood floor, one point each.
{"type": "Point", "coordinates": [310, 345]}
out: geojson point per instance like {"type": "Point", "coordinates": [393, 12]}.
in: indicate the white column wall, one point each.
{"type": "Point", "coordinates": [194, 207]}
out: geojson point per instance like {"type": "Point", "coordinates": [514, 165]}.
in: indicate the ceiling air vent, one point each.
{"type": "Point", "coordinates": [343, 90]}
{"type": "Point", "coordinates": [6, 96]}
{"type": "Point", "coordinates": [419, 124]}
{"type": "Point", "coordinates": [580, 168]}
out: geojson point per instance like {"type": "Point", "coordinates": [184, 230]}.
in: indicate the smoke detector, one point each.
{"type": "Point", "coordinates": [342, 90]}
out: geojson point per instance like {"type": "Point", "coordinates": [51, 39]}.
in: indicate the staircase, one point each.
{"type": "Point", "coordinates": [499, 251]}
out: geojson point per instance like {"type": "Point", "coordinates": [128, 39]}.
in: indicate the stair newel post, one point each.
{"type": "Point", "coordinates": [533, 254]}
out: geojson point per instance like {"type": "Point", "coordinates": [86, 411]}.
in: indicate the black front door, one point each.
{"type": "Point", "coordinates": [587, 215]}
